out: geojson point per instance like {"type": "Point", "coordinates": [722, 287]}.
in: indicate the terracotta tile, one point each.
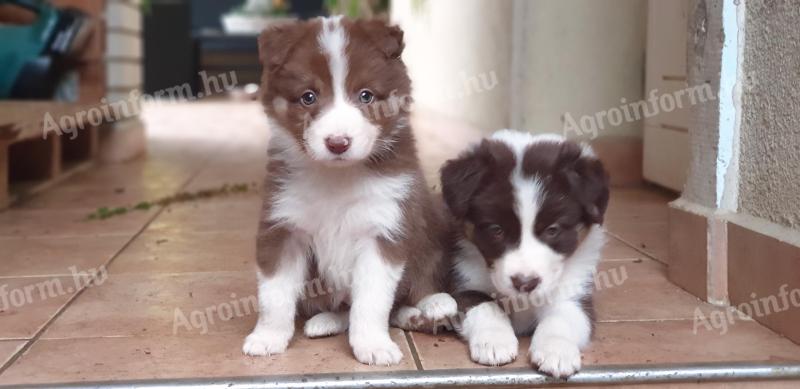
{"type": "Point", "coordinates": [252, 171]}
{"type": "Point", "coordinates": [762, 268]}
{"type": "Point", "coordinates": [617, 250]}
{"type": "Point", "coordinates": [48, 256]}
{"type": "Point", "coordinates": [651, 238]}
{"type": "Point", "coordinates": [26, 304]}
{"type": "Point", "coordinates": [187, 304]}
{"type": "Point", "coordinates": [647, 342]}
{"type": "Point", "coordinates": [688, 251]}
{"type": "Point", "coordinates": [170, 251]}
{"type": "Point", "coordinates": [639, 290]}
{"type": "Point", "coordinates": [676, 342]}
{"type": "Point", "coordinates": [18, 222]}
{"type": "Point", "coordinates": [8, 348]}
{"type": "Point", "coordinates": [153, 357]}
{"type": "Point", "coordinates": [70, 197]}
{"type": "Point", "coordinates": [236, 213]}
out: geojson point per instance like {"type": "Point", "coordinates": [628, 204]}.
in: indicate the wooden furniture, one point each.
{"type": "Point", "coordinates": [31, 160]}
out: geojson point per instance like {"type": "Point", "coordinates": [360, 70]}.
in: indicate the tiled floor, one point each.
{"type": "Point", "coordinates": [174, 289]}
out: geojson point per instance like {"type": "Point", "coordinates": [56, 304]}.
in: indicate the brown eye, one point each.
{"type": "Point", "coordinates": [308, 98]}
{"type": "Point", "coordinates": [365, 96]}
{"type": "Point", "coordinates": [552, 231]}
{"type": "Point", "coordinates": [495, 231]}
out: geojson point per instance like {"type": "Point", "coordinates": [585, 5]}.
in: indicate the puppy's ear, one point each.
{"type": "Point", "coordinates": [462, 177]}
{"type": "Point", "coordinates": [387, 38]}
{"type": "Point", "coordinates": [589, 181]}
{"type": "Point", "coordinates": [276, 42]}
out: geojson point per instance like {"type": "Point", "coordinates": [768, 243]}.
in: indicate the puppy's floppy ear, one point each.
{"type": "Point", "coordinates": [276, 42]}
{"type": "Point", "coordinates": [462, 177]}
{"type": "Point", "coordinates": [589, 181]}
{"type": "Point", "coordinates": [387, 38]}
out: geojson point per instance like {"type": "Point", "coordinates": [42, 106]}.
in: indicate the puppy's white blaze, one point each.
{"type": "Point", "coordinates": [333, 41]}
{"type": "Point", "coordinates": [341, 117]}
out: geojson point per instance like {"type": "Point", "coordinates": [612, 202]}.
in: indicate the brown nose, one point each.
{"type": "Point", "coordinates": [525, 284]}
{"type": "Point", "coordinates": [337, 144]}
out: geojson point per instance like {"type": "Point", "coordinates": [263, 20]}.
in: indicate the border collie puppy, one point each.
{"type": "Point", "coordinates": [346, 206]}
{"type": "Point", "coordinates": [533, 206]}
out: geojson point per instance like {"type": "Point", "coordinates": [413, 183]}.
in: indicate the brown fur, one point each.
{"type": "Point", "coordinates": [293, 63]}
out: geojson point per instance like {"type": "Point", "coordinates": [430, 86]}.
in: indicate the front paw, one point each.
{"type": "Point", "coordinates": [265, 343]}
{"type": "Point", "coordinates": [438, 306]}
{"type": "Point", "coordinates": [376, 351]}
{"type": "Point", "coordinates": [556, 356]}
{"type": "Point", "coordinates": [494, 348]}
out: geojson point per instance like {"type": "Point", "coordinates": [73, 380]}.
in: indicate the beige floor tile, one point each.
{"type": "Point", "coordinates": [48, 256]}
{"type": "Point", "coordinates": [156, 305]}
{"type": "Point", "coordinates": [17, 222]}
{"type": "Point", "coordinates": [8, 348]}
{"type": "Point", "coordinates": [171, 251]}
{"type": "Point", "coordinates": [151, 357]}
{"type": "Point", "coordinates": [639, 290]}
{"type": "Point", "coordinates": [27, 304]}
{"type": "Point", "coordinates": [635, 343]}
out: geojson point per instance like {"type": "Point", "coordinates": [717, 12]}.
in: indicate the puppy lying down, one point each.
{"type": "Point", "coordinates": [533, 207]}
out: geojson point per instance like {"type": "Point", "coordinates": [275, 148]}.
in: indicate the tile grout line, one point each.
{"type": "Point", "coordinates": [413, 348]}
{"type": "Point", "coordinates": [18, 354]}
{"type": "Point", "coordinates": [629, 244]}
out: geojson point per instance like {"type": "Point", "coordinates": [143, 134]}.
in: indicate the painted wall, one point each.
{"type": "Point", "coordinates": [769, 165]}
{"type": "Point", "coordinates": [548, 57]}
{"type": "Point", "coordinates": [580, 57]}
{"type": "Point", "coordinates": [459, 55]}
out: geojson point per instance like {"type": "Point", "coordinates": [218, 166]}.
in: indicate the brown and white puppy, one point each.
{"type": "Point", "coordinates": [533, 206]}
{"type": "Point", "coordinates": [346, 207]}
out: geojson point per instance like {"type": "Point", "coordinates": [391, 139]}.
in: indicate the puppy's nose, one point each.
{"type": "Point", "coordinates": [338, 144]}
{"type": "Point", "coordinates": [525, 284]}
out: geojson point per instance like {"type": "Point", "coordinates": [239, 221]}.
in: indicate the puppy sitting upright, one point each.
{"type": "Point", "coordinates": [533, 206]}
{"type": "Point", "coordinates": [346, 203]}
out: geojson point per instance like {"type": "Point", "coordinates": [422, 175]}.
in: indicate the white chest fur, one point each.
{"type": "Point", "coordinates": [339, 210]}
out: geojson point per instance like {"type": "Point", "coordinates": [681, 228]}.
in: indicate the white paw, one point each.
{"type": "Point", "coordinates": [376, 351]}
{"type": "Point", "coordinates": [557, 357]}
{"type": "Point", "coordinates": [407, 318]}
{"type": "Point", "coordinates": [265, 342]}
{"type": "Point", "coordinates": [494, 347]}
{"type": "Point", "coordinates": [438, 306]}
{"type": "Point", "coordinates": [326, 324]}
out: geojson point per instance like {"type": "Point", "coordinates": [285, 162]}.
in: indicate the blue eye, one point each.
{"type": "Point", "coordinates": [308, 98]}
{"type": "Point", "coordinates": [365, 96]}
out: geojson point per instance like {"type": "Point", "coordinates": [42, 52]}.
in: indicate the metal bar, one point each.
{"type": "Point", "coordinates": [504, 378]}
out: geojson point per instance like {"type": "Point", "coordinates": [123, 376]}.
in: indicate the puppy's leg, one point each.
{"type": "Point", "coordinates": [487, 329]}
{"type": "Point", "coordinates": [563, 329]}
{"type": "Point", "coordinates": [326, 324]}
{"type": "Point", "coordinates": [374, 285]}
{"type": "Point", "coordinates": [438, 306]}
{"type": "Point", "coordinates": [277, 299]}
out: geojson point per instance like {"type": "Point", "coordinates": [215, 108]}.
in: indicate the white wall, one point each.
{"type": "Point", "coordinates": [450, 44]}
{"type": "Point", "coordinates": [549, 57]}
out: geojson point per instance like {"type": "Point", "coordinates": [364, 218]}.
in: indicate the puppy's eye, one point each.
{"type": "Point", "coordinates": [365, 96]}
{"type": "Point", "coordinates": [495, 231]}
{"type": "Point", "coordinates": [552, 231]}
{"type": "Point", "coordinates": [308, 98]}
